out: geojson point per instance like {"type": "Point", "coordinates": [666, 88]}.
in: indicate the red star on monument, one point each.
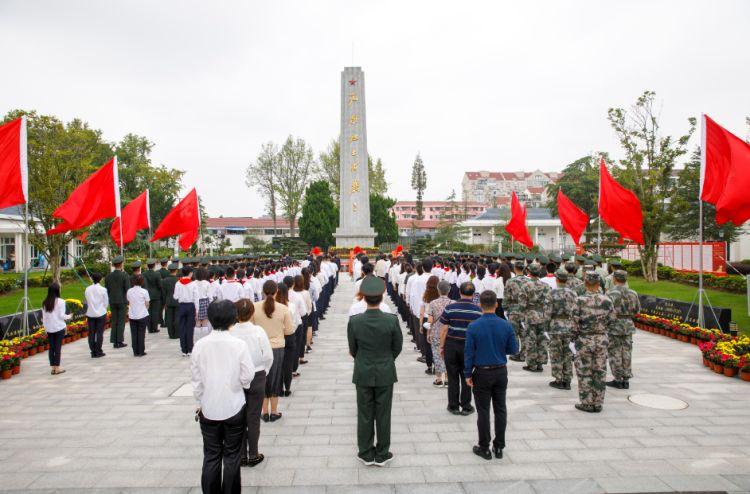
{"type": "Point", "coordinates": [352, 82]}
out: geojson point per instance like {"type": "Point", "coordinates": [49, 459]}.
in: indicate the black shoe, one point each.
{"type": "Point", "coordinates": [255, 461]}
{"type": "Point", "coordinates": [539, 368]}
{"type": "Point", "coordinates": [597, 409]}
{"type": "Point", "coordinates": [265, 417]}
{"type": "Point", "coordinates": [381, 462]}
{"type": "Point", "coordinates": [529, 368]}
{"type": "Point", "coordinates": [614, 383]}
{"type": "Point", "coordinates": [421, 359]}
{"type": "Point", "coordinates": [366, 461]}
{"type": "Point", "coordinates": [243, 462]}
{"type": "Point", "coordinates": [467, 410]}
{"type": "Point", "coordinates": [557, 384]}
{"type": "Point", "coordinates": [625, 384]}
{"type": "Point", "coordinates": [498, 452]}
{"type": "Point", "coordinates": [287, 393]}
{"type": "Point", "coordinates": [482, 453]}
{"type": "Point", "coordinates": [566, 386]}
{"type": "Point", "coordinates": [429, 371]}
{"type": "Point", "coordinates": [274, 417]}
{"type": "Point", "coordinates": [586, 408]}
{"type": "Point", "coordinates": [454, 411]}
{"type": "Point", "coordinates": [516, 358]}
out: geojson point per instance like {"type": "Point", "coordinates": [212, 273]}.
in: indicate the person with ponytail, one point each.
{"type": "Point", "coordinates": [276, 320]}
{"type": "Point", "coordinates": [53, 318]}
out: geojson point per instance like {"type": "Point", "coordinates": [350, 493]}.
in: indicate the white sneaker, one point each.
{"type": "Point", "coordinates": [365, 462]}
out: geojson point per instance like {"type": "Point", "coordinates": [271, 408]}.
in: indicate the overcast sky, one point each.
{"type": "Point", "coordinates": [500, 86]}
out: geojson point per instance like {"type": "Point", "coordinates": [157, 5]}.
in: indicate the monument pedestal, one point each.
{"type": "Point", "coordinates": [364, 237]}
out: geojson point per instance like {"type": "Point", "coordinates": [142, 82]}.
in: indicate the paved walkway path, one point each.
{"type": "Point", "coordinates": [113, 425]}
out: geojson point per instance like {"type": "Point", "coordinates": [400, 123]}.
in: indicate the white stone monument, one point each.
{"type": "Point", "coordinates": [354, 209]}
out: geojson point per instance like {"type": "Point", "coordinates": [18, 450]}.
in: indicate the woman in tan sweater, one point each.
{"type": "Point", "coordinates": [275, 319]}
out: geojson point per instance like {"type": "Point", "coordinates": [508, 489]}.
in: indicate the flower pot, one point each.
{"type": "Point", "coordinates": [24, 354]}
{"type": "Point", "coordinates": [32, 351]}
{"type": "Point", "coordinates": [85, 334]}
{"type": "Point", "coordinates": [16, 369]}
{"type": "Point", "coordinates": [718, 368]}
{"type": "Point", "coordinates": [730, 371]}
{"type": "Point", "coordinates": [6, 374]}
{"type": "Point", "coordinates": [745, 376]}
{"type": "Point", "coordinates": [66, 340]}
{"type": "Point", "coordinates": [706, 362]}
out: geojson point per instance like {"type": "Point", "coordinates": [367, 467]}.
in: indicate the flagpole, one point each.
{"type": "Point", "coordinates": [701, 318]}
{"type": "Point", "coordinates": [26, 266]}
{"type": "Point", "coordinates": [599, 211]}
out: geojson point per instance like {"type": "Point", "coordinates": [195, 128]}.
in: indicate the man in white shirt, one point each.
{"type": "Point", "coordinates": [231, 289]}
{"type": "Point", "coordinates": [221, 367]}
{"type": "Point", "coordinates": [97, 301]}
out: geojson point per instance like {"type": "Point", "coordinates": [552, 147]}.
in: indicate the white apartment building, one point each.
{"type": "Point", "coordinates": [491, 187]}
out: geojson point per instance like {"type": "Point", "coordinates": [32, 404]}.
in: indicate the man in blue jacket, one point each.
{"type": "Point", "coordinates": [489, 340]}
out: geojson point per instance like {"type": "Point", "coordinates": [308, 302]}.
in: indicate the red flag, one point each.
{"type": "Point", "coordinates": [725, 173]}
{"type": "Point", "coordinates": [135, 216]}
{"type": "Point", "coordinates": [619, 207]}
{"type": "Point", "coordinates": [97, 198]}
{"type": "Point", "coordinates": [572, 218]}
{"type": "Point", "coordinates": [13, 163]}
{"type": "Point", "coordinates": [183, 220]}
{"type": "Point", "coordinates": [517, 224]}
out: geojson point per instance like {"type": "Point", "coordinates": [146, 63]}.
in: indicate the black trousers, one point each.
{"type": "Point", "coordinates": [170, 319]}
{"type": "Point", "coordinates": [253, 406]}
{"type": "Point", "coordinates": [490, 386]}
{"type": "Point", "coordinates": [374, 418]}
{"type": "Point", "coordinates": [96, 334]}
{"type": "Point", "coordinates": [154, 315]}
{"type": "Point", "coordinates": [222, 442]}
{"type": "Point", "coordinates": [138, 335]}
{"type": "Point", "coordinates": [186, 326]}
{"type": "Point", "coordinates": [55, 347]}
{"type": "Point", "coordinates": [290, 358]}
{"type": "Point", "coordinates": [117, 321]}
{"type": "Point", "coordinates": [302, 337]}
{"type": "Point", "coordinates": [459, 393]}
{"type": "Point", "coordinates": [500, 312]}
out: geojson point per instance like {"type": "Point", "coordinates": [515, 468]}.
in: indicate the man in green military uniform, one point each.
{"type": "Point", "coordinates": [595, 315]}
{"type": "Point", "coordinates": [170, 304]}
{"type": "Point", "coordinates": [574, 283]}
{"type": "Point", "coordinates": [375, 340]}
{"type": "Point", "coordinates": [620, 349]}
{"type": "Point", "coordinates": [562, 303]}
{"type": "Point", "coordinates": [536, 318]}
{"type": "Point", "coordinates": [117, 284]}
{"type": "Point", "coordinates": [152, 279]}
{"type": "Point", "coordinates": [514, 309]}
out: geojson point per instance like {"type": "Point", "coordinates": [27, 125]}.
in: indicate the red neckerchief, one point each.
{"type": "Point", "coordinates": [447, 269]}
{"type": "Point", "coordinates": [185, 281]}
{"type": "Point", "coordinates": [550, 275]}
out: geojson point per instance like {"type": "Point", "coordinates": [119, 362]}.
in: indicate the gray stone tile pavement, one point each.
{"type": "Point", "coordinates": [112, 425]}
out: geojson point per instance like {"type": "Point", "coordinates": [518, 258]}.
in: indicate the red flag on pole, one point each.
{"type": "Point", "coordinates": [572, 218]}
{"type": "Point", "coordinates": [619, 207]}
{"type": "Point", "coordinates": [97, 198]}
{"type": "Point", "coordinates": [725, 173]}
{"type": "Point", "coordinates": [13, 163]}
{"type": "Point", "coordinates": [517, 224]}
{"type": "Point", "coordinates": [135, 216]}
{"type": "Point", "coordinates": [183, 220]}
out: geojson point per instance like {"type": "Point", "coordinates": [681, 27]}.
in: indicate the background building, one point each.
{"type": "Point", "coordinates": [236, 229]}
{"type": "Point", "coordinates": [491, 188]}
{"type": "Point", "coordinates": [437, 210]}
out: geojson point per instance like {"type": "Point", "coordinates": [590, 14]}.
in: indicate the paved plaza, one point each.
{"type": "Point", "coordinates": [124, 424]}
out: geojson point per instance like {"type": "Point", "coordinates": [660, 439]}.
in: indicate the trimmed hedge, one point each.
{"type": "Point", "coordinates": [729, 283]}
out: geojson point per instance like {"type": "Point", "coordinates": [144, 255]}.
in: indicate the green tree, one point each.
{"type": "Point", "coordinates": [580, 182]}
{"type": "Point", "coordinates": [256, 245]}
{"type": "Point", "coordinates": [650, 158]}
{"type": "Point", "coordinates": [260, 176]}
{"type": "Point", "coordinates": [330, 169]}
{"type": "Point", "coordinates": [60, 157]}
{"type": "Point", "coordinates": [382, 219]}
{"type": "Point", "coordinates": [295, 167]}
{"type": "Point", "coordinates": [684, 208]}
{"type": "Point", "coordinates": [419, 184]}
{"type": "Point", "coordinates": [376, 177]}
{"type": "Point", "coordinates": [319, 216]}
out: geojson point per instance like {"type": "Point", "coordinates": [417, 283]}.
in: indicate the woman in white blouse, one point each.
{"type": "Point", "coordinates": [138, 301]}
{"type": "Point", "coordinates": [53, 318]}
{"type": "Point", "coordinates": [262, 356]}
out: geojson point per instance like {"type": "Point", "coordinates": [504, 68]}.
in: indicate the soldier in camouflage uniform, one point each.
{"type": "Point", "coordinates": [514, 311]}
{"type": "Point", "coordinates": [536, 318]}
{"type": "Point", "coordinates": [620, 349]}
{"type": "Point", "coordinates": [595, 314]}
{"type": "Point", "coordinates": [609, 282]}
{"type": "Point", "coordinates": [562, 303]}
{"type": "Point", "coordinates": [574, 283]}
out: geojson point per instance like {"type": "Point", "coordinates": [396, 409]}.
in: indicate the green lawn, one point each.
{"type": "Point", "coordinates": [9, 301]}
{"type": "Point", "coordinates": [677, 291]}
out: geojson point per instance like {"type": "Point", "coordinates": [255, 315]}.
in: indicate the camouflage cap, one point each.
{"type": "Point", "coordinates": [570, 265]}
{"type": "Point", "coordinates": [543, 259]}
{"type": "Point", "coordinates": [620, 275]}
{"type": "Point", "coordinates": [519, 265]}
{"type": "Point", "coordinates": [589, 263]}
{"type": "Point", "coordinates": [535, 269]}
{"type": "Point", "coordinates": [561, 275]}
{"type": "Point", "coordinates": [556, 259]}
{"type": "Point", "coordinates": [592, 277]}
{"type": "Point", "coordinates": [615, 263]}
{"type": "Point", "coordinates": [596, 258]}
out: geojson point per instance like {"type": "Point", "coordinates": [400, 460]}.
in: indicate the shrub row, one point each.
{"type": "Point", "coordinates": [729, 283]}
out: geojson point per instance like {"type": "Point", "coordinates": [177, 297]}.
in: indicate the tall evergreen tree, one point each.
{"type": "Point", "coordinates": [419, 184]}
{"type": "Point", "coordinates": [319, 215]}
